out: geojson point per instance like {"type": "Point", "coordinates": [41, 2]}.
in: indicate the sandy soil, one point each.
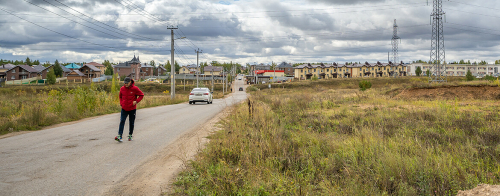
{"type": "Point", "coordinates": [449, 92]}
{"type": "Point", "coordinates": [156, 175]}
{"type": "Point", "coordinates": [482, 189]}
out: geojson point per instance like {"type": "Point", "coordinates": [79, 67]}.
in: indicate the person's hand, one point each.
{"type": "Point", "coordinates": [135, 103]}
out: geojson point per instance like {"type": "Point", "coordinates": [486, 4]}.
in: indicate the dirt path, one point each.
{"type": "Point", "coordinates": [480, 190]}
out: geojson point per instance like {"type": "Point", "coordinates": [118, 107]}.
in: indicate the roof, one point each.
{"type": "Point", "coordinates": [65, 69]}
{"type": "Point", "coordinates": [77, 72]}
{"type": "Point", "coordinates": [160, 67]}
{"type": "Point", "coordinates": [96, 64]}
{"type": "Point", "coordinates": [73, 66]}
{"type": "Point", "coordinates": [145, 65]}
{"type": "Point", "coordinates": [41, 68]}
{"type": "Point", "coordinates": [212, 68]}
{"type": "Point", "coordinates": [267, 71]}
{"type": "Point", "coordinates": [27, 68]}
{"type": "Point", "coordinates": [192, 66]}
{"type": "Point", "coordinates": [284, 65]}
{"type": "Point", "coordinates": [92, 67]}
{"type": "Point", "coordinates": [7, 66]}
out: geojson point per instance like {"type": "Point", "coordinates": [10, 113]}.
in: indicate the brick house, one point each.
{"type": "Point", "coordinates": [42, 71]}
{"type": "Point", "coordinates": [20, 72]}
{"type": "Point", "coordinates": [161, 70]}
{"type": "Point", "coordinates": [5, 68]}
{"type": "Point", "coordinates": [288, 68]}
{"type": "Point", "coordinates": [76, 76]}
{"type": "Point", "coordinates": [147, 70]}
{"type": "Point", "coordinates": [130, 68]}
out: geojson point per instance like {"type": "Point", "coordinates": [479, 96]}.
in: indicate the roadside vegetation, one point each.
{"type": "Point", "coordinates": [34, 107]}
{"type": "Point", "coordinates": [328, 137]}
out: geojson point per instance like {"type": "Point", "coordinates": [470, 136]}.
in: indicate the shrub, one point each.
{"type": "Point", "coordinates": [363, 85]}
{"type": "Point", "coordinates": [51, 76]}
{"type": "Point", "coordinates": [314, 78]}
{"type": "Point", "coordinates": [418, 71]}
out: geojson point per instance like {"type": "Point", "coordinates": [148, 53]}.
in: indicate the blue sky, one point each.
{"type": "Point", "coordinates": [261, 31]}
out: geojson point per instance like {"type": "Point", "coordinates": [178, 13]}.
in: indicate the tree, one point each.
{"type": "Point", "coordinates": [428, 73]}
{"type": "Point", "coordinates": [152, 63]}
{"type": "Point", "coordinates": [58, 71]}
{"type": "Point", "coordinates": [418, 71]}
{"type": "Point", "coordinates": [168, 66]}
{"type": "Point", "coordinates": [51, 76]}
{"type": "Point", "coordinates": [469, 76]}
{"type": "Point", "coordinates": [177, 67]}
{"type": "Point", "coordinates": [28, 61]}
{"type": "Point", "coordinates": [109, 69]}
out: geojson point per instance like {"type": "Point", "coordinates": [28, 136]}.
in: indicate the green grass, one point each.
{"type": "Point", "coordinates": [319, 138]}
{"type": "Point", "coordinates": [34, 107]}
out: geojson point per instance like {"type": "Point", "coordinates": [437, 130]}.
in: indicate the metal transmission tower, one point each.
{"type": "Point", "coordinates": [438, 68]}
{"type": "Point", "coordinates": [395, 42]}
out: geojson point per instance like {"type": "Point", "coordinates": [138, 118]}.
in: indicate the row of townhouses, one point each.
{"type": "Point", "coordinates": [327, 71]}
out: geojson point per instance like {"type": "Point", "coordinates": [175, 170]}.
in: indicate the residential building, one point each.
{"type": "Point", "coordinates": [189, 69]}
{"type": "Point", "coordinates": [161, 70]}
{"type": "Point", "coordinates": [76, 76]}
{"type": "Point", "coordinates": [212, 70]}
{"type": "Point", "coordinates": [130, 68]}
{"type": "Point", "coordinates": [20, 72]}
{"type": "Point", "coordinates": [287, 68]}
{"type": "Point", "coordinates": [459, 69]}
{"type": "Point", "coordinates": [66, 71]}
{"type": "Point", "coordinates": [5, 68]}
{"type": "Point", "coordinates": [90, 71]}
{"type": "Point", "coordinates": [42, 70]}
{"type": "Point", "coordinates": [327, 71]}
{"type": "Point", "coordinates": [98, 66]}
{"type": "Point", "coordinates": [146, 70]}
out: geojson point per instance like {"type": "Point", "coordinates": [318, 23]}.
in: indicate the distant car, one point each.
{"type": "Point", "coordinates": [152, 80]}
{"type": "Point", "coordinates": [240, 89]}
{"type": "Point", "coordinates": [200, 95]}
{"type": "Point", "coordinates": [239, 78]}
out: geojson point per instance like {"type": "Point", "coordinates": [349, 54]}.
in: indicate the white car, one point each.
{"type": "Point", "coordinates": [200, 95]}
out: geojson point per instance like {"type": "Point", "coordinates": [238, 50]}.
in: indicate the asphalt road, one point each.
{"type": "Point", "coordinates": [84, 159]}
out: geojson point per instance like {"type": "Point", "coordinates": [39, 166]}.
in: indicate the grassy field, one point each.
{"type": "Point", "coordinates": [34, 107]}
{"type": "Point", "coordinates": [329, 138]}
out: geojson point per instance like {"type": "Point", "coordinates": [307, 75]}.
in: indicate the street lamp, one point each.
{"type": "Point", "coordinates": [172, 68]}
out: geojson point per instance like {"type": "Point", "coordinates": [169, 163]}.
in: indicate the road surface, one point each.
{"type": "Point", "coordinates": [84, 159]}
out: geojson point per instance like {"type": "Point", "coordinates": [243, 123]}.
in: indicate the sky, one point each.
{"type": "Point", "coordinates": [244, 31]}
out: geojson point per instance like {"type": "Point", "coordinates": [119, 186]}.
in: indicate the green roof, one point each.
{"type": "Point", "coordinates": [73, 66]}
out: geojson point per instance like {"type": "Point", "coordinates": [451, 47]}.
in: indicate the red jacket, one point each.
{"type": "Point", "coordinates": [130, 94]}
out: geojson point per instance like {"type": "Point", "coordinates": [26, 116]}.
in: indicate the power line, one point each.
{"type": "Point", "coordinates": [99, 21]}
{"type": "Point", "coordinates": [58, 32]}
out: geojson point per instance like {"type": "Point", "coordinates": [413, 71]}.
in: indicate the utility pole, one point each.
{"type": "Point", "coordinates": [197, 65]}
{"type": "Point", "coordinates": [172, 65]}
{"type": "Point", "coordinates": [437, 57]}
{"type": "Point", "coordinates": [223, 81]}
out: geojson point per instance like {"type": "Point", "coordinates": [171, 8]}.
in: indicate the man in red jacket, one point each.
{"type": "Point", "coordinates": [130, 96]}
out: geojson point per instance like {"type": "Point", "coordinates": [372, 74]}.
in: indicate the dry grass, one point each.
{"type": "Point", "coordinates": [329, 138]}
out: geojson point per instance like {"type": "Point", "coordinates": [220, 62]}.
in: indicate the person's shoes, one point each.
{"type": "Point", "coordinates": [130, 138]}
{"type": "Point", "coordinates": [119, 138]}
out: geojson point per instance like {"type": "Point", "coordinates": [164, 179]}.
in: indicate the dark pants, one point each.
{"type": "Point", "coordinates": [131, 120]}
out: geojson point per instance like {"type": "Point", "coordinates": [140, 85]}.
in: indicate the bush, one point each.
{"type": "Point", "coordinates": [490, 78]}
{"type": "Point", "coordinates": [314, 78]}
{"type": "Point", "coordinates": [51, 76]}
{"type": "Point", "coordinates": [252, 88]}
{"type": "Point", "coordinates": [418, 71]}
{"type": "Point", "coordinates": [363, 85]}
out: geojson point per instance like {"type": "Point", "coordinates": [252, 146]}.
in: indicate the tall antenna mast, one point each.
{"type": "Point", "coordinates": [438, 68]}
{"type": "Point", "coordinates": [395, 42]}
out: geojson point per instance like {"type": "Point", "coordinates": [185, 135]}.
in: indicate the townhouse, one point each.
{"type": "Point", "coordinates": [147, 71]}
{"type": "Point", "coordinates": [5, 68]}
{"type": "Point", "coordinates": [327, 71]}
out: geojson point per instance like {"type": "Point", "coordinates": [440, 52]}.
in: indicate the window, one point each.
{"type": "Point", "coordinates": [14, 71]}
{"type": "Point", "coordinates": [359, 74]}
{"type": "Point", "coordinates": [13, 77]}
{"type": "Point", "coordinates": [384, 68]}
{"type": "Point", "coordinates": [301, 71]}
{"type": "Point", "coordinates": [335, 70]}
{"type": "Point", "coordinates": [314, 70]}
{"type": "Point", "coordinates": [118, 69]}
{"type": "Point", "coordinates": [327, 70]}
{"type": "Point", "coordinates": [288, 69]}
{"type": "Point", "coordinates": [372, 69]}
{"type": "Point", "coordinates": [147, 69]}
